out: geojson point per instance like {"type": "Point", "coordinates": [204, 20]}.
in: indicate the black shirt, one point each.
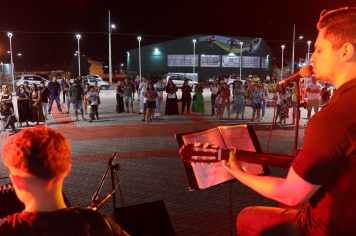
{"type": "Point", "coordinates": [328, 158]}
{"type": "Point", "coordinates": [186, 93]}
{"type": "Point", "coordinates": [57, 223]}
{"type": "Point", "coordinates": [44, 94]}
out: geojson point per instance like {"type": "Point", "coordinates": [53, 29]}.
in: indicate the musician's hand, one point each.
{"type": "Point", "coordinates": [232, 165]}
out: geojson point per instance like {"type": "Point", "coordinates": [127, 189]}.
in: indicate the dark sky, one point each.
{"type": "Point", "coordinates": [272, 20]}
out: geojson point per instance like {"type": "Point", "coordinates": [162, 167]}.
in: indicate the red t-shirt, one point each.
{"type": "Point", "coordinates": [328, 158]}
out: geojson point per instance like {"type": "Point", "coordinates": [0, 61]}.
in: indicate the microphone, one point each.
{"type": "Point", "coordinates": [305, 71]}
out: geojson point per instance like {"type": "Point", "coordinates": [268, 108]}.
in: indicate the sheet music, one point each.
{"type": "Point", "coordinates": [239, 137]}
{"type": "Point", "coordinates": [206, 174]}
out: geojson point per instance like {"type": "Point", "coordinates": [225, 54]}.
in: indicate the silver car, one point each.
{"type": "Point", "coordinates": [178, 80]}
{"type": "Point", "coordinates": [31, 78]}
{"type": "Point", "coordinates": [103, 85]}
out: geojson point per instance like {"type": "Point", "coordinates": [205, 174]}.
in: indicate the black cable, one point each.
{"type": "Point", "coordinates": [122, 201]}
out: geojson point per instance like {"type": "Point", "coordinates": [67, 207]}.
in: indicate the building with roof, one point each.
{"type": "Point", "coordinates": [214, 55]}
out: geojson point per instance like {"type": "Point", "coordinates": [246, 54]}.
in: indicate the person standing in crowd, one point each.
{"type": "Point", "coordinates": [127, 88]}
{"type": "Point", "coordinates": [82, 84]}
{"type": "Point", "coordinates": [132, 80]}
{"type": "Point", "coordinates": [186, 96]}
{"type": "Point", "coordinates": [198, 103]}
{"type": "Point", "coordinates": [119, 97]}
{"type": "Point", "coordinates": [23, 105]}
{"type": "Point", "coordinates": [249, 85]}
{"type": "Point", "coordinates": [93, 97]}
{"type": "Point", "coordinates": [258, 98]}
{"type": "Point", "coordinates": [283, 113]}
{"type": "Point", "coordinates": [6, 96]}
{"type": "Point", "coordinates": [36, 107]}
{"type": "Point", "coordinates": [97, 89]}
{"type": "Point", "coordinates": [264, 103]}
{"type": "Point", "coordinates": [160, 87]}
{"type": "Point", "coordinates": [226, 102]}
{"type": "Point", "coordinates": [151, 95]}
{"type": "Point", "coordinates": [281, 95]}
{"type": "Point", "coordinates": [171, 101]}
{"type": "Point", "coordinates": [44, 99]}
{"type": "Point", "coordinates": [313, 91]}
{"type": "Point", "coordinates": [66, 89]}
{"type": "Point", "coordinates": [239, 104]}
{"type": "Point", "coordinates": [8, 117]}
{"type": "Point", "coordinates": [75, 94]}
{"type": "Point", "coordinates": [268, 78]}
{"type": "Point", "coordinates": [214, 89]}
{"type": "Point", "coordinates": [54, 90]}
{"type": "Point", "coordinates": [85, 91]}
{"type": "Point", "coordinates": [90, 111]}
{"type": "Point", "coordinates": [62, 84]}
{"type": "Point", "coordinates": [27, 88]}
{"type": "Point", "coordinates": [138, 80]}
{"type": "Point", "coordinates": [218, 104]}
{"type": "Point", "coordinates": [325, 94]}
{"type": "Point", "coordinates": [142, 88]}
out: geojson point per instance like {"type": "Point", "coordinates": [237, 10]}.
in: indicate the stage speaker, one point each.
{"type": "Point", "coordinates": [146, 219]}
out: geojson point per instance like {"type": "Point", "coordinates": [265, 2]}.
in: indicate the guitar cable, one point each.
{"type": "Point", "coordinates": [269, 136]}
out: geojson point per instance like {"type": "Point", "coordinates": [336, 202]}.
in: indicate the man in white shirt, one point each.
{"type": "Point", "coordinates": [160, 87]}
{"type": "Point", "coordinates": [313, 91]}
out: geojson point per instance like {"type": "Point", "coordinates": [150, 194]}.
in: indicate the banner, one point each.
{"type": "Point", "coordinates": [231, 44]}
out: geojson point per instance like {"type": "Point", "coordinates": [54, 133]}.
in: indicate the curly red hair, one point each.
{"type": "Point", "coordinates": [40, 151]}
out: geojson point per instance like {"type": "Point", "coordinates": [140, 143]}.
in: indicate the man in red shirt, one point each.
{"type": "Point", "coordinates": [324, 171]}
{"type": "Point", "coordinates": [39, 160]}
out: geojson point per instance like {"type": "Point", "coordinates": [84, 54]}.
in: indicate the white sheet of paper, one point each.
{"type": "Point", "coordinates": [171, 95]}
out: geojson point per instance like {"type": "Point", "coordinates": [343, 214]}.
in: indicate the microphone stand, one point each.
{"type": "Point", "coordinates": [95, 203]}
{"type": "Point", "coordinates": [297, 118]}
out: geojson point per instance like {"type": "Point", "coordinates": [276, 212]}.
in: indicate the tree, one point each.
{"type": "Point", "coordinates": [84, 66]}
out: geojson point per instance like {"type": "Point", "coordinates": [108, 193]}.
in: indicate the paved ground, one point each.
{"type": "Point", "coordinates": [152, 168]}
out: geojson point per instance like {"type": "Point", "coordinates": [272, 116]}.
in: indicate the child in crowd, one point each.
{"type": "Point", "coordinates": [218, 101]}
{"type": "Point", "coordinates": [90, 111]}
{"type": "Point", "coordinates": [283, 112]}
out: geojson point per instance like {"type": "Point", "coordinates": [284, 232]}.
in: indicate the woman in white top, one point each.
{"type": "Point", "coordinates": [281, 95]}
{"type": "Point", "coordinates": [214, 88]}
{"type": "Point", "coordinates": [142, 88]}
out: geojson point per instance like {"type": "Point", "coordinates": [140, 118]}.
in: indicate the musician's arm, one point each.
{"type": "Point", "coordinates": [291, 191]}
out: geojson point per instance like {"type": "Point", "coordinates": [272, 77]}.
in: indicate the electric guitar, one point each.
{"type": "Point", "coordinates": [208, 153]}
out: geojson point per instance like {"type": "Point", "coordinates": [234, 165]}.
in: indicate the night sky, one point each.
{"type": "Point", "coordinates": [272, 20]}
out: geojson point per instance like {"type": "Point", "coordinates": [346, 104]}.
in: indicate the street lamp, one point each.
{"type": "Point", "coordinates": [309, 42]}
{"type": "Point", "coordinates": [282, 63]}
{"type": "Point", "coordinates": [194, 41]}
{"type": "Point", "coordinates": [12, 64]}
{"type": "Point", "coordinates": [78, 37]}
{"type": "Point", "coordinates": [294, 42]}
{"type": "Point", "coordinates": [139, 54]}
{"type": "Point", "coordinates": [111, 27]}
{"type": "Point", "coordinates": [241, 43]}
{"type": "Point", "coordinates": [122, 64]}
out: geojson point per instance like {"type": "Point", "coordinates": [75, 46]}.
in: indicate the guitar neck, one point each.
{"type": "Point", "coordinates": [264, 159]}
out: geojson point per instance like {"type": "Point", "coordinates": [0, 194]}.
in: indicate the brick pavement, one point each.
{"type": "Point", "coordinates": [152, 168]}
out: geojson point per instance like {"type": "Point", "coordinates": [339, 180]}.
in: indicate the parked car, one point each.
{"type": "Point", "coordinates": [45, 76]}
{"type": "Point", "coordinates": [211, 80]}
{"type": "Point", "coordinates": [153, 78]}
{"type": "Point", "coordinates": [98, 77]}
{"type": "Point", "coordinates": [31, 78]}
{"type": "Point", "coordinates": [178, 80]}
{"type": "Point", "coordinates": [103, 85]}
{"type": "Point", "coordinates": [234, 78]}
{"type": "Point", "coordinates": [255, 78]}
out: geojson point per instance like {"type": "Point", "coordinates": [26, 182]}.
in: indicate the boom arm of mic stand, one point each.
{"type": "Point", "coordinates": [110, 164]}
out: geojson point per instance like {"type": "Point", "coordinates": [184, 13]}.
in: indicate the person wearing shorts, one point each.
{"type": "Point", "coordinates": [151, 95]}
{"type": "Point", "coordinates": [218, 104]}
{"type": "Point", "coordinates": [313, 91]}
{"type": "Point", "coordinates": [75, 93]}
{"type": "Point", "coordinates": [65, 94]}
{"type": "Point", "coordinates": [127, 87]}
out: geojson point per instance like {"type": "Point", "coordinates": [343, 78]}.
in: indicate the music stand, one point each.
{"type": "Point", "coordinates": [192, 182]}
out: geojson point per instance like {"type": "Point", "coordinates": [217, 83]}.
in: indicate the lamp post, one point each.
{"type": "Point", "coordinates": [12, 64]}
{"type": "Point", "coordinates": [78, 37]}
{"type": "Point", "coordinates": [194, 41]}
{"type": "Point", "coordinates": [139, 54]}
{"type": "Point", "coordinates": [294, 42]}
{"type": "Point", "coordinates": [282, 63]}
{"type": "Point", "coordinates": [241, 43]}
{"type": "Point", "coordinates": [110, 64]}
{"type": "Point", "coordinates": [308, 51]}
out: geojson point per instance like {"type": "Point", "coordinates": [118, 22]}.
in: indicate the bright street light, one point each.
{"type": "Point", "coordinates": [19, 54]}
{"type": "Point", "coordinates": [194, 41]}
{"type": "Point", "coordinates": [122, 64]}
{"type": "Point", "coordinates": [300, 37]}
{"type": "Point", "coordinates": [309, 42]}
{"type": "Point", "coordinates": [78, 36]}
{"type": "Point", "coordinates": [113, 26]}
{"type": "Point", "coordinates": [241, 43]}
{"type": "Point", "coordinates": [282, 63]}
{"type": "Point", "coordinates": [139, 57]}
{"type": "Point", "coordinates": [9, 35]}
{"type": "Point", "coordinates": [139, 38]}
{"type": "Point", "coordinates": [156, 50]}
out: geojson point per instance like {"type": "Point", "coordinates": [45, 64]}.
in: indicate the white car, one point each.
{"type": "Point", "coordinates": [235, 77]}
{"type": "Point", "coordinates": [31, 78]}
{"type": "Point", "coordinates": [103, 85]}
{"type": "Point", "coordinates": [178, 80]}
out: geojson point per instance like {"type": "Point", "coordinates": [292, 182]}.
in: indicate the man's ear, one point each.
{"type": "Point", "coordinates": [18, 181]}
{"type": "Point", "coordinates": [347, 53]}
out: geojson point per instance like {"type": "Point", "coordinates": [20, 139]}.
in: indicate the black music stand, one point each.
{"type": "Point", "coordinates": [192, 182]}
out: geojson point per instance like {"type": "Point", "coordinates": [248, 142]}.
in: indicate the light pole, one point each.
{"type": "Point", "coordinates": [294, 42]}
{"type": "Point", "coordinates": [78, 37]}
{"type": "Point", "coordinates": [241, 43]}
{"type": "Point", "coordinates": [110, 64]}
{"type": "Point", "coordinates": [139, 54]}
{"type": "Point", "coordinates": [12, 64]}
{"type": "Point", "coordinates": [194, 41]}
{"type": "Point", "coordinates": [308, 51]}
{"type": "Point", "coordinates": [282, 63]}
